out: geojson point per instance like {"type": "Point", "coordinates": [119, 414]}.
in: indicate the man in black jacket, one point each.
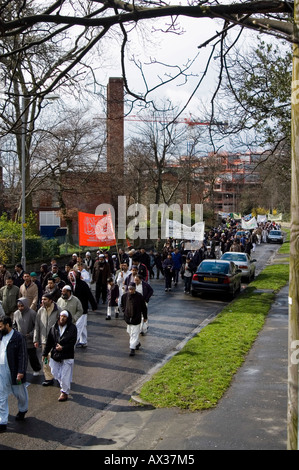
{"type": "Point", "coordinates": [61, 342]}
{"type": "Point", "coordinates": [13, 365]}
{"type": "Point", "coordinates": [134, 307]}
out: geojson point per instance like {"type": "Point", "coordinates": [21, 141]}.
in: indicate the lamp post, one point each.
{"type": "Point", "coordinates": [23, 178]}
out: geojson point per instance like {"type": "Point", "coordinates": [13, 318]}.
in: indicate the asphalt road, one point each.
{"type": "Point", "coordinates": [104, 374]}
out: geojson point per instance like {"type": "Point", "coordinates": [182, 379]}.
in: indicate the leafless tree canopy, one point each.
{"type": "Point", "coordinates": [83, 24]}
{"type": "Point", "coordinates": [45, 46]}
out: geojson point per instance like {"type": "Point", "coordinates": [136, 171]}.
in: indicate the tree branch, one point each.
{"type": "Point", "coordinates": [133, 12]}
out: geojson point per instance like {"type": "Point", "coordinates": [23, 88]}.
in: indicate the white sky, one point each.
{"type": "Point", "coordinates": [175, 50]}
{"type": "Point", "coordinates": [172, 49]}
{"type": "Point", "coordinates": [147, 42]}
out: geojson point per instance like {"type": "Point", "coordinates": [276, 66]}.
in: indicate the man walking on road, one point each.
{"type": "Point", "coordinates": [68, 301]}
{"type": "Point", "coordinates": [13, 365]}
{"type": "Point", "coordinates": [134, 307]}
{"type": "Point", "coordinates": [45, 319]}
{"type": "Point", "coordinates": [61, 342]}
{"type": "Point", "coordinates": [101, 272]}
{"type": "Point", "coordinates": [9, 295]}
{"type": "Point", "coordinates": [24, 323]}
{"type": "Point", "coordinates": [29, 290]}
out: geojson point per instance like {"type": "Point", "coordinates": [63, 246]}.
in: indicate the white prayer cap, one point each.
{"type": "Point", "coordinates": [64, 313]}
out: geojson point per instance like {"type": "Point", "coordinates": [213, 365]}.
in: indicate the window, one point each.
{"type": "Point", "coordinates": [49, 218]}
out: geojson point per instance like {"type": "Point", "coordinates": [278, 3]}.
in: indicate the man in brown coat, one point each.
{"type": "Point", "coordinates": [29, 290]}
{"type": "Point", "coordinates": [100, 275]}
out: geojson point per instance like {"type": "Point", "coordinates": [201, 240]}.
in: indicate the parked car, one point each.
{"type": "Point", "coordinates": [217, 276]}
{"type": "Point", "coordinates": [243, 261]}
{"type": "Point", "coordinates": [275, 236]}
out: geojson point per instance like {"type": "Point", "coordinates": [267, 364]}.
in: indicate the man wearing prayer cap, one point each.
{"type": "Point", "coordinates": [70, 302]}
{"type": "Point", "coordinates": [89, 263]}
{"type": "Point", "coordinates": [100, 274]}
{"type": "Point", "coordinates": [60, 345]}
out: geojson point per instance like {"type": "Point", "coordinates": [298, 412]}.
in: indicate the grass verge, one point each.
{"type": "Point", "coordinates": [273, 277]}
{"type": "Point", "coordinates": [198, 376]}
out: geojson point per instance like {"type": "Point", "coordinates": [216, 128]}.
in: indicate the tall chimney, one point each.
{"type": "Point", "coordinates": [115, 137]}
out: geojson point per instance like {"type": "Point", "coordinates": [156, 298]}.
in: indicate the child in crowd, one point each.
{"type": "Point", "coordinates": [113, 294]}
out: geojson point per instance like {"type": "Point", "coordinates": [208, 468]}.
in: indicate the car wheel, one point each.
{"type": "Point", "coordinates": [193, 293]}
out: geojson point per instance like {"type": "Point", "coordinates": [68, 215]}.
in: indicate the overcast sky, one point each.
{"type": "Point", "coordinates": [173, 50]}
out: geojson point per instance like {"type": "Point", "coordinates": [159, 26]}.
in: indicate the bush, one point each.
{"type": "Point", "coordinates": [36, 248]}
{"type": "Point", "coordinates": [50, 248]}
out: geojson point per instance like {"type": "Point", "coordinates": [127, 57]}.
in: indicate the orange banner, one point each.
{"type": "Point", "coordinates": [95, 230]}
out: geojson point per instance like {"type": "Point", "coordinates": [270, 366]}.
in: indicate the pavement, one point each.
{"type": "Point", "coordinates": [252, 415]}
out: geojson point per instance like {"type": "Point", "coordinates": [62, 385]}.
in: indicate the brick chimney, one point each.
{"type": "Point", "coordinates": [115, 137]}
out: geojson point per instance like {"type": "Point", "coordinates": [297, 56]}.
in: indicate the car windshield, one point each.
{"type": "Point", "coordinates": [211, 267]}
{"type": "Point", "coordinates": [275, 232]}
{"type": "Point", "coordinates": [234, 256]}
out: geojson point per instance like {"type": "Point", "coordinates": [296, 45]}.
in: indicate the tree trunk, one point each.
{"type": "Point", "coordinates": [292, 418]}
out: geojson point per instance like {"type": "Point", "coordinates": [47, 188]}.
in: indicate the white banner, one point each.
{"type": "Point", "coordinates": [273, 217]}
{"type": "Point", "coordinates": [175, 229]}
{"type": "Point", "coordinates": [261, 219]}
{"type": "Point", "coordinates": [224, 215]}
{"type": "Point", "coordinates": [250, 225]}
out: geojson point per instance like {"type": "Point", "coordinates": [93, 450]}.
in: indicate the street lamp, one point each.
{"type": "Point", "coordinates": [23, 179]}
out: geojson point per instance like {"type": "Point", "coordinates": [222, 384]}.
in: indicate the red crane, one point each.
{"type": "Point", "coordinates": [189, 121]}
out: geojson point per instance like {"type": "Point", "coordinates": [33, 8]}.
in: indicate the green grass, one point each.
{"type": "Point", "coordinates": [273, 277]}
{"type": "Point", "coordinates": [198, 376]}
{"type": "Point", "coordinates": [201, 372]}
{"type": "Point", "coordinates": [285, 247]}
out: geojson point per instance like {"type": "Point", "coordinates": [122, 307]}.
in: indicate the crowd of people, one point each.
{"type": "Point", "coordinates": [48, 310]}
{"type": "Point", "coordinates": [175, 259]}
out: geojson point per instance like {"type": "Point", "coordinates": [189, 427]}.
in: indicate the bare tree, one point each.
{"type": "Point", "coordinates": [136, 172]}
{"type": "Point", "coordinates": [160, 140]}
{"type": "Point", "coordinates": [67, 160]}
{"type": "Point", "coordinates": [28, 66]}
